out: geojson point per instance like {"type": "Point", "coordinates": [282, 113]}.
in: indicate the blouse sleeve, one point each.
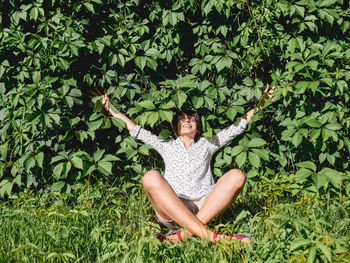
{"type": "Point", "coordinates": [148, 138]}
{"type": "Point", "coordinates": [226, 135]}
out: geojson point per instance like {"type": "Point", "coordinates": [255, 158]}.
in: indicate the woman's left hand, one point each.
{"type": "Point", "coordinates": [268, 94]}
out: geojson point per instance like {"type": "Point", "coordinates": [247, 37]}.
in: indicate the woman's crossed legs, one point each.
{"type": "Point", "coordinates": [169, 206]}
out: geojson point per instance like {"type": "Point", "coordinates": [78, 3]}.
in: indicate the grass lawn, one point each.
{"type": "Point", "coordinates": [116, 224]}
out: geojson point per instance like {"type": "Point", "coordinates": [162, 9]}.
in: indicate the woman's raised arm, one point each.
{"type": "Point", "coordinates": [135, 130]}
{"type": "Point", "coordinates": [129, 123]}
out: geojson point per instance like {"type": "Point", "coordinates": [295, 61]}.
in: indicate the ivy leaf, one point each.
{"type": "Point", "coordinates": [97, 155]}
{"type": "Point", "coordinates": [325, 3]}
{"type": "Point", "coordinates": [320, 180]}
{"type": "Point", "coordinates": [300, 10]}
{"type": "Point", "coordinates": [331, 175]}
{"type": "Point", "coordinates": [118, 122]}
{"type": "Point", "coordinates": [209, 102]}
{"type": "Point", "coordinates": [144, 117]}
{"type": "Point", "coordinates": [3, 114]}
{"type": "Point", "coordinates": [77, 162]}
{"type": "Point", "coordinates": [144, 149]}
{"type": "Point", "coordinates": [314, 123]}
{"type": "Point", "coordinates": [166, 115]}
{"type": "Point", "coordinates": [40, 159]}
{"type": "Point", "coordinates": [333, 126]}
{"type": "Point", "coordinates": [297, 138]}
{"type": "Point", "coordinates": [6, 187]}
{"type": "Point", "coordinates": [57, 158]}
{"type": "Point", "coordinates": [69, 101]}
{"type": "Point", "coordinates": [153, 118]}
{"type": "Point", "coordinates": [347, 143]}
{"type": "Point", "coordinates": [29, 163]}
{"type": "Point", "coordinates": [237, 150]}
{"type": "Point", "coordinates": [151, 63]}
{"type": "Point", "coordinates": [241, 158]}
{"type": "Point", "coordinates": [140, 62]}
{"type": "Point", "coordinates": [89, 7]}
{"type": "Point", "coordinates": [313, 64]}
{"type": "Point", "coordinates": [57, 171]}
{"type": "Point", "coordinates": [301, 86]}
{"type": "Point", "coordinates": [197, 102]}
{"type": "Point", "coordinates": [147, 104]}
{"type": "Point", "coordinates": [262, 153]}
{"type": "Point", "coordinates": [302, 174]}
{"type": "Point", "coordinates": [256, 142]}
{"type": "Point", "coordinates": [168, 105]}
{"type": "Point", "coordinates": [55, 117]}
{"type": "Point", "coordinates": [94, 125]}
{"type": "Point", "coordinates": [231, 113]}
{"type": "Point", "coordinates": [180, 97]}
{"type": "Point", "coordinates": [107, 166]}
{"type": "Point", "coordinates": [248, 82]}
{"type": "Point", "coordinates": [254, 159]}
{"type": "Point", "coordinates": [152, 52]}
{"type": "Point", "coordinates": [110, 158]}
{"type": "Point", "coordinates": [67, 167]}
{"type": "Point", "coordinates": [121, 60]}
{"type": "Point", "coordinates": [34, 13]}
{"type": "Point", "coordinates": [56, 187]}
{"type": "Point", "coordinates": [220, 64]}
{"type": "Point", "coordinates": [36, 77]}
{"type": "Point", "coordinates": [308, 165]}
{"type": "Point", "coordinates": [164, 134]}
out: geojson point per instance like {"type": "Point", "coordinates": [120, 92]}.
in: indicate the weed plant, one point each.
{"type": "Point", "coordinates": [115, 224]}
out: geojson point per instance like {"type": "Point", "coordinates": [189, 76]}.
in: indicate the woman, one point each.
{"type": "Point", "coordinates": [187, 193]}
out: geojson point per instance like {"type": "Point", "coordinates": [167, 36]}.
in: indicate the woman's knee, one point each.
{"type": "Point", "coordinates": [235, 178]}
{"type": "Point", "coordinates": [151, 179]}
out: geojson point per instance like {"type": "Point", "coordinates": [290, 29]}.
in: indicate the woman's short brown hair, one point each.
{"type": "Point", "coordinates": [188, 113]}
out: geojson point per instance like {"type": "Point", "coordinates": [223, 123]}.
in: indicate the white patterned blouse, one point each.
{"type": "Point", "coordinates": [188, 170]}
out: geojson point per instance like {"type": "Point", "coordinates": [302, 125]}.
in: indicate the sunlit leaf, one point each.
{"type": "Point", "coordinates": [308, 165]}
{"type": "Point", "coordinates": [256, 142]}
{"type": "Point", "coordinates": [77, 162]}
{"type": "Point", "coordinates": [106, 166]}
{"type": "Point", "coordinates": [254, 159]}
{"type": "Point", "coordinates": [241, 158]}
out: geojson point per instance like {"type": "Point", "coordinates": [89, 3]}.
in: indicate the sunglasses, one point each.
{"type": "Point", "coordinates": [183, 119]}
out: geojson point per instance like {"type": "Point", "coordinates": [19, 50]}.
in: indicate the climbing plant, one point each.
{"type": "Point", "coordinates": [156, 57]}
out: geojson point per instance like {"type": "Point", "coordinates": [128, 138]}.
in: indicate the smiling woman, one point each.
{"type": "Point", "coordinates": [187, 194]}
{"type": "Point", "coordinates": [186, 121]}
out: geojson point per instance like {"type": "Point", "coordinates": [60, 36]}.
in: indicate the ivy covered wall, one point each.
{"type": "Point", "coordinates": [155, 57]}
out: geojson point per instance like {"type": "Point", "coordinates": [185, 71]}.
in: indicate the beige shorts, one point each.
{"type": "Point", "coordinates": [192, 205]}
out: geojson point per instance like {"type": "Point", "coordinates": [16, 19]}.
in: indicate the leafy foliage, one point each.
{"type": "Point", "coordinates": [156, 57]}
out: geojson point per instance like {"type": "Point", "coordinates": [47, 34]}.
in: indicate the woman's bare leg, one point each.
{"type": "Point", "coordinates": [169, 206]}
{"type": "Point", "coordinates": [223, 194]}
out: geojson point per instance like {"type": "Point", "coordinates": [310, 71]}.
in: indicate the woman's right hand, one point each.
{"type": "Point", "coordinates": [105, 102]}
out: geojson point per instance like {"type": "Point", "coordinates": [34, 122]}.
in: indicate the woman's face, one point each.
{"type": "Point", "coordinates": [187, 125]}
